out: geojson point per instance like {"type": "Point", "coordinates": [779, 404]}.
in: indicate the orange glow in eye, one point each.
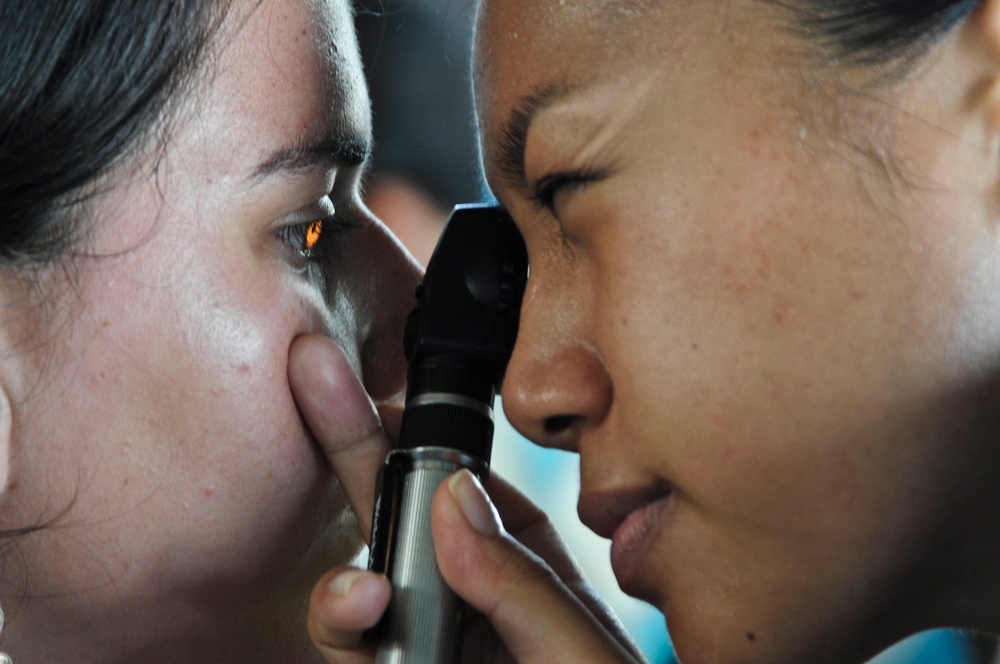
{"type": "Point", "coordinates": [313, 231]}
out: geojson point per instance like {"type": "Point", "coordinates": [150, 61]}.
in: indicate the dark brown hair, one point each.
{"type": "Point", "coordinates": [82, 82]}
{"type": "Point", "coordinates": [873, 32]}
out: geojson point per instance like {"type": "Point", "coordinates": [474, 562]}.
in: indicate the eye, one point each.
{"type": "Point", "coordinates": [552, 185]}
{"type": "Point", "coordinates": [304, 238]}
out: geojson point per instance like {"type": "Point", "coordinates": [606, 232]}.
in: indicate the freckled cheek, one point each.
{"type": "Point", "coordinates": [235, 345]}
{"type": "Point", "coordinates": [228, 361]}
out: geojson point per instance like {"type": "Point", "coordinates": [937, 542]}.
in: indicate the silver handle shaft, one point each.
{"type": "Point", "coordinates": [421, 625]}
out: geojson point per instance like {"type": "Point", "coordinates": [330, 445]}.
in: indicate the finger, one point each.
{"type": "Point", "coordinates": [344, 604]}
{"type": "Point", "coordinates": [341, 416]}
{"type": "Point", "coordinates": [533, 612]}
{"type": "Point", "coordinates": [530, 526]}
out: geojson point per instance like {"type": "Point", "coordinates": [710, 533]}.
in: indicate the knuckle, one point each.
{"type": "Point", "coordinates": [520, 568]}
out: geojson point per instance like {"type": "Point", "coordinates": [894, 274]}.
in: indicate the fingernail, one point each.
{"type": "Point", "coordinates": [475, 504]}
{"type": "Point", "coordinates": [341, 584]}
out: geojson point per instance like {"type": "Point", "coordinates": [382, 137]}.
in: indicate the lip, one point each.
{"type": "Point", "coordinates": [629, 517]}
{"type": "Point", "coordinates": [632, 539]}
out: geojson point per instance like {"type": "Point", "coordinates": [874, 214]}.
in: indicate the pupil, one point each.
{"type": "Point", "coordinates": [313, 231]}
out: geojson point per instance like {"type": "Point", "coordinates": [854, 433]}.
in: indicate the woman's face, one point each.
{"type": "Point", "coordinates": [192, 509]}
{"type": "Point", "coordinates": [766, 312]}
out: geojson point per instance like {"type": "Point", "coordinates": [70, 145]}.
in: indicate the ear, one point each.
{"type": "Point", "coordinates": [6, 435]}
{"type": "Point", "coordinates": [987, 15]}
{"type": "Point", "coordinates": [985, 23]}
{"type": "Point", "coordinates": [18, 332]}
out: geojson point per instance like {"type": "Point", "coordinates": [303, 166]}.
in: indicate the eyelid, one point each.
{"type": "Point", "coordinates": [304, 237]}
{"type": "Point", "coordinates": [547, 188]}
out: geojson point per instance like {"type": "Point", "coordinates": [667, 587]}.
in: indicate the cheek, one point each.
{"type": "Point", "coordinates": [773, 326]}
{"type": "Point", "coordinates": [168, 428]}
{"type": "Point", "coordinates": [228, 352]}
{"type": "Point", "coordinates": [197, 353]}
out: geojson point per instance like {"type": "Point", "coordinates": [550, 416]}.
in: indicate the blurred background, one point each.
{"type": "Point", "coordinates": [417, 59]}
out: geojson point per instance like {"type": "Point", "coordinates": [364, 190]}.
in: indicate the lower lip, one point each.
{"type": "Point", "coordinates": [632, 539]}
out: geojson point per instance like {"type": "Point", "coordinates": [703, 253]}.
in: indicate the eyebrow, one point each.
{"type": "Point", "coordinates": [513, 138]}
{"type": "Point", "coordinates": [315, 153]}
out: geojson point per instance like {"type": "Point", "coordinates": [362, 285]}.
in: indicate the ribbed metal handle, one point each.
{"type": "Point", "coordinates": [421, 625]}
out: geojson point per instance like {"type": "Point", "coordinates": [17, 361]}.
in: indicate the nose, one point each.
{"type": "Point", "coordinates": [390, 295]}
{"type": "Point", "coordinates": [557, 385]}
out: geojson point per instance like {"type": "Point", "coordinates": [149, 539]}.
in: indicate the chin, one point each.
{"type": "Point", "coordinates": [724, 640]}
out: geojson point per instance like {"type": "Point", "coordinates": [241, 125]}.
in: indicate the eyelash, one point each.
{"type": "Point", "coordinates": [545, 191]}
{"type": "Point", "coordinates": [305, 238]}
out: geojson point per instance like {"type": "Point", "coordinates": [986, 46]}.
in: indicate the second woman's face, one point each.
{"type": "Point", "coordinates": [192, 508]}
{"type": "Point", "coordinates": [765, 312]}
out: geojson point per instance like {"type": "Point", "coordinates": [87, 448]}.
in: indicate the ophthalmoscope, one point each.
{"type": "Point", "coordinates": [457, 342]}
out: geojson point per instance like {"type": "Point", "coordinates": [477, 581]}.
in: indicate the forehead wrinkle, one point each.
{"type": "Point", "coordinates": [512, 137]}
{"type": "Point", "coordinates": [503, 44]}
{"type": "Point", "coordinates": [591, 121]}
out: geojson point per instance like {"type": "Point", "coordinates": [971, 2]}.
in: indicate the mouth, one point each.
{"type": "Point", "coordinates": [632, 540]}
{"type": "Point", "coordinates": [631, 519]}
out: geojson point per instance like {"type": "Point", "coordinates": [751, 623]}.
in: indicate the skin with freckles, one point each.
{"type": "Point", "coordinates": [191, 508]}
{"type": "Point", "coordinates": [764, 307]}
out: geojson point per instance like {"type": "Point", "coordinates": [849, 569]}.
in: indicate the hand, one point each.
{"type": "Point", "coordinates": [521, 580]}
{"type": "Point", "coordinates": [342, 418]}
{"type": "Point", "coordinates": [525, 581]}
{"type": "Point", "coordinates": [350, 432]}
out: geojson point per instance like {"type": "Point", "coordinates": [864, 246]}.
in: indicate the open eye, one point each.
{"type": "Point", "coordinates": [303, 238]}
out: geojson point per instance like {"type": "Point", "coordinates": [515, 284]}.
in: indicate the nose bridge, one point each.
{"type": "Point", "coordinates": [552, 314]}
{"type": "Point", "coordinates": [556, 383]}
{"type": "Point", "coordinates": [390, 278]}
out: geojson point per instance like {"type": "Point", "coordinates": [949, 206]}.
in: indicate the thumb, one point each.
{"type": "Point", "coordinates": [341, 417]}
{"type": "Point", "coordinates": [536, 616]}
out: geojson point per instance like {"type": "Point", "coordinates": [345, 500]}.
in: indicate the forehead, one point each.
{"type": "Point", "coordinates": [588, 32]}
{"type": "Point", "coordinates": [524, 48]}
{"type": "Point", "coordinates": [520, 40]}
{"type": "Point", "coordinates": [282, 70]}
{"type": "Point", "coordinates": [521, 58]}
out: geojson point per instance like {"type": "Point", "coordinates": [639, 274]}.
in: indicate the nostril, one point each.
{"type": "Point", "coordinates": [558, 423]}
